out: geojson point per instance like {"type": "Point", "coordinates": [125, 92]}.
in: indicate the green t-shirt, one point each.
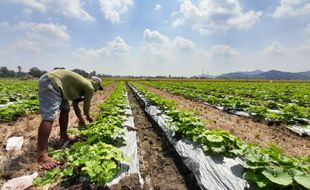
{"type": "Point", "coordinates": [73, 87]}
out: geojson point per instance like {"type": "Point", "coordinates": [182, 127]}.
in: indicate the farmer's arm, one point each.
{"type": "Point", "coordinates": [77, 111]}
{"type": "Point", "coordinates": [87, 99]}
{"type": "Point", "coordinates": [75, 105]}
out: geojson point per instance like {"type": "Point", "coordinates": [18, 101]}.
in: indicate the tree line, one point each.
{"type": "Point", "coordinates": [35, 72]}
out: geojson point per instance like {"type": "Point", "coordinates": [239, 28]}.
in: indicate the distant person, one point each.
{"type": "Point", "coordinates": [56, 88]}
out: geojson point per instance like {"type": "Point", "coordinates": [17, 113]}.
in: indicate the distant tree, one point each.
{"type": "Point", "coordinates": [35, 72]}
{"type": "Point", "coordinates": [58, 68]}
{"type": "Point", "coordinates": [92, 73]}
{"type": "Point", "coordinates": [19, 68]}
{"type": "Point", "coordinates": [81, 72]}
{"type": "Point", "coordinates": [5, 72]}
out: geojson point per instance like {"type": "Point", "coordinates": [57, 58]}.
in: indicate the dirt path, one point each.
{"type": "Point", "coordinates": [244, 128]}
{"type": "Point", "coordinates": [158, 167]}
{"type": "Point", "coordinates": [23, 162]}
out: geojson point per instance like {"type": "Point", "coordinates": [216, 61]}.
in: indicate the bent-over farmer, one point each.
{"type": "Point", "coordinates": [56, 88]}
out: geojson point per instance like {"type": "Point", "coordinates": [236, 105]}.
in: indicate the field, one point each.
{"type": "Point", "coordinates": [248, 122]}
{"type": "Point", "coordinates": [20, 98]}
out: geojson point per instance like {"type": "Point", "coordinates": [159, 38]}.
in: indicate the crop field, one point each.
{"type": "Point", "coordinates": [285, 103]}
{"type": "Point", "coordinates": [146, 134]}
{"type": "Point", "coordinates": [17, 98]}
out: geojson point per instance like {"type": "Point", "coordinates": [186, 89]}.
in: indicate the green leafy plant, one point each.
{"type": "Point", "coordinates": [97, 157]}
{"type": "Point", "coordinates": [267, 167]}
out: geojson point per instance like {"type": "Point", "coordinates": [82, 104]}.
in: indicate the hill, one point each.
{"type": "Point", "coordinates": [272, 74]}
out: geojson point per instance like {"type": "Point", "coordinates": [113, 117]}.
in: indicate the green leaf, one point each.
{"type": "Point", "coordinates": [47, 178]}
{"type": "Point", "coordinates": [205, 148]}
{"type": "Point", "coordinates": [218, 150]}
{"type": "Point", "coordinates": [251, 165]}
{"type": "Point", "coordinates": [278, 176]}
{"type": "Point", "coordinates": [303, 180]}
{"type": "Point", "coordinates": [215, 138]}
{"type": "Point", "coordinates": [259, 179]}
{"type": "Point", "coordinates": [237, 152]}
{"type": "Point", "coordinates": [68, 171]}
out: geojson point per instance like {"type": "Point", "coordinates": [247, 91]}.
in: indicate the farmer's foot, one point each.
{"type": "Point", "coordinates": [66, 138]}
{"type": "Point", "coordinates": [47, 162]}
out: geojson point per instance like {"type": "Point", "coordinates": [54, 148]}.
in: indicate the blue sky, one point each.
{"type": "Point", "coordinates": [135, 37]}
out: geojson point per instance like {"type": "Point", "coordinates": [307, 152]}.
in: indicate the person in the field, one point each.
{"type": "Point", "coordinates": [56, 88]}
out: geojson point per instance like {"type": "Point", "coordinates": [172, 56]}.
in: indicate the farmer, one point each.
{"type": "Point", "coordinates": [55, 89]}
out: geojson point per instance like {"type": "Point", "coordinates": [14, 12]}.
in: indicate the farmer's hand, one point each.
{"type": "Point", "coordinates": [82, 122]}
{"type": "Point", "coordinates": [89, 119]}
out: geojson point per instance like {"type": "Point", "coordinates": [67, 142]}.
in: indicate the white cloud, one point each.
{"type": "Point", "coordinates": [118, 45]}
{"type": "Point", "coordinates": [113, 10]}
{"type": "Point", "coordinates": [34, 38]}
{"type": "Point", "coordinates": [160, 55]}
{"type": "Point", "coordinates": [308, 29]}
{"type": "Point", "coordinates": [205, 16]}
{"type": "Point", "coordinates": [49, 35]}
{"type": "Point", "coordinates": [24, 53]}
{"type": "Point", "coordinates": [158, 43]}
{"type": "Point", "coordinates": [158, 7]}
{"type": "Point", "coordinates": [35, 4]}
{"type": "Point", "coordinates": [27, 12]}
{"type": "Point", "coordinates": [24, 47]}
{"type": "Point", "coordinates": [291, 8]}
{"type": "Point", "coordinates": [4, 24]}
{"type": "Point", "coordinates": [114, 49]}
{"type": "Point", "coordinates": [183, 43]}
{"type": "Point", "coordinates": [275, 49]}
{"type": "Point", "coordinates": [154, 36]}
{"type": "Point", "coordinates": [72, 8]}
{"type": "Point", "coordinates": [222, 51]}
{"type": "Point", "coordinates": [304, 50]}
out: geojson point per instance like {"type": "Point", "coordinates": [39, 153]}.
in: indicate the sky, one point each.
{"type": "Point", "coordinates": [159, 37]}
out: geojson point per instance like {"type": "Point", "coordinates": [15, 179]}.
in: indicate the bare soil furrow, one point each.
{"type": "Point", "coordinates": [159, 165]}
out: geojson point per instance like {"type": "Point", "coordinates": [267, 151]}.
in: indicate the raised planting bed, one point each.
{"type": "Point", "coordinates": [273, 104]}
{"type": "Point", "coordinates": [218, 159]}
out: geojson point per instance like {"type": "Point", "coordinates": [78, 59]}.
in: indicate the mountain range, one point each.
{"type": "Point", "coordinates": [258, 74]}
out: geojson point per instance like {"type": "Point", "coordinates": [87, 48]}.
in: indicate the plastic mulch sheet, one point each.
{"type": "Point", "coordinates": [130, 150]}
{"type": "Point", "coordinates": [211, 172]}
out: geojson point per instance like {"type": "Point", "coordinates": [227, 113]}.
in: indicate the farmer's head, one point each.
{"type": "Point", "coordinates": [96, 81]}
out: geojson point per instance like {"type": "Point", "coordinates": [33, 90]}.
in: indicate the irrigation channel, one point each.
{"type": "Point", "coordinates": [160, 166]}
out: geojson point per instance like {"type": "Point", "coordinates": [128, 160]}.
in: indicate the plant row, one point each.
{"type": "Point", "coordinates": [13, 111]}
{"type": "Point", "coordinates": [96, 157]}
{"type": "Point", "coordinates": [21, 98]}
{"type": "Point", "coordinates": [17, 90]}
{"type": "Point", "coordinates": [287, 103]}
{"type": "Point", "coordinates": [267, 167]}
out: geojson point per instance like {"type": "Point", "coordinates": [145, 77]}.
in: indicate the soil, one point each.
{"type": "Point", "coordinates": [159, 166]}
{"type": "Point", "coordinates": [244, 128]}
{"type": "Point", "coordinates": [23, 162]}
{"type": "Point", "coordinates": [127, 183]}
